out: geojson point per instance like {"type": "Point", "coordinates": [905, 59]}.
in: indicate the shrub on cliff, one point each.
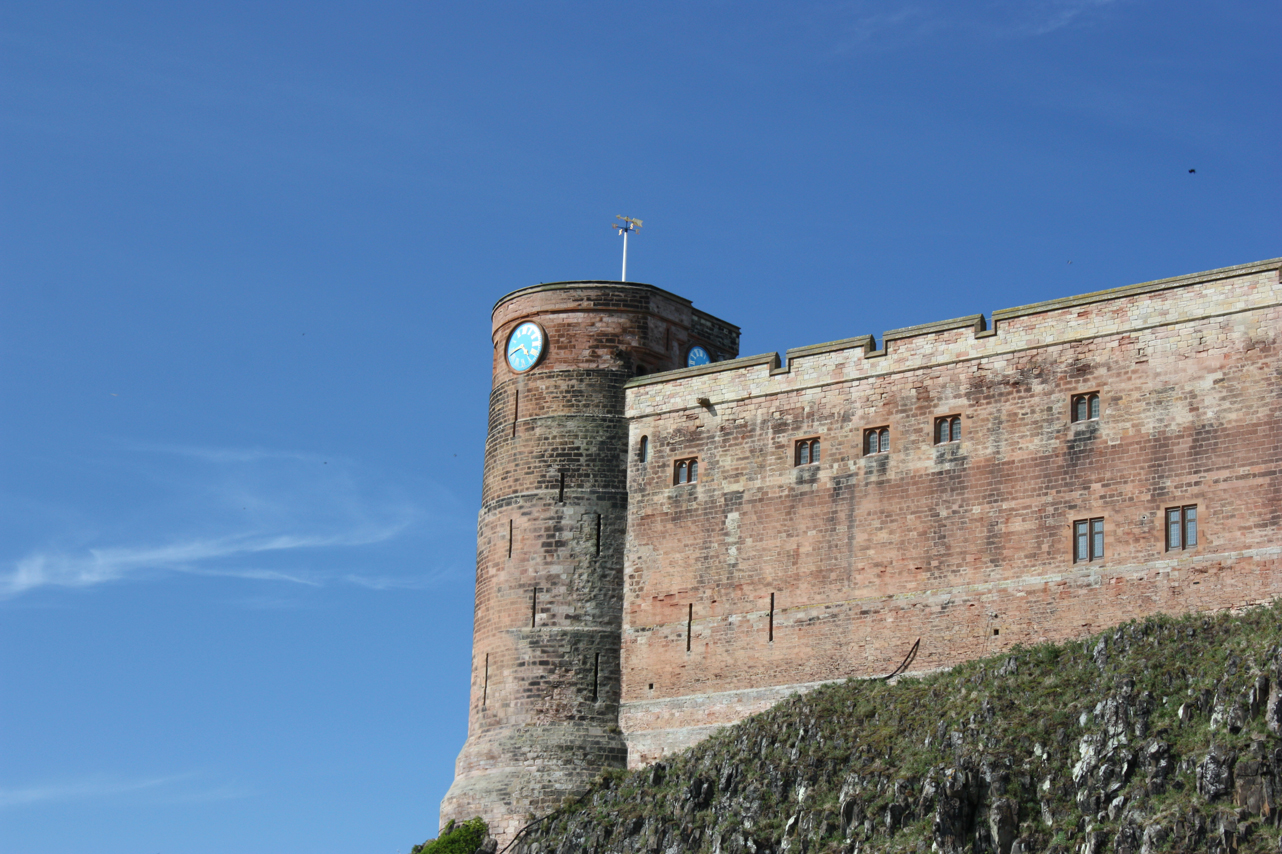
{"type": "Point", "coordinates": [465, 838]}
{"type": "Point", "coordinates": [1161, 735]}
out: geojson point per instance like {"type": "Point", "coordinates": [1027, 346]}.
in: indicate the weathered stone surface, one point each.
{"type": "Point", "coordinates": [967, 545]}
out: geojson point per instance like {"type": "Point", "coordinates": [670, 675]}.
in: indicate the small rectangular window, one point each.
{"type": "Point", "coordinates": [947, 429]}
{"type": "Point", "coordinates": [1088, 540]}
{"type": "Point", "coordinates": [807, 452]}
{"type": "Point", "coordinates": [1084, 407]}
{"type": "Point", "coordinates": [1181, 527]}
{"type": "Point", "coordinates": [685, 471]}
{"type": "Point", "coordinates": [877, 440]}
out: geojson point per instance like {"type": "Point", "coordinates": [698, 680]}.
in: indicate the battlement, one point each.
{"type": "Point", "coordinates": [1131, 308]}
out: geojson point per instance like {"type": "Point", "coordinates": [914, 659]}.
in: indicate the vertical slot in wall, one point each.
{"type": "Point", "coordinates": [534, 606]}
{"type": "Point", "coordinates": [598, 533]}
{"type": "Point", "coordinates": [596, 677]}
{"type": "Point", "coordinates": [771, 628]}
{"type": "Point", "coordinates": [485, 686]}
{"type": "Point", "coordinates": [689, 626]}
{"type": "Point", "coordinates": [516, 410]}
{"type": "Point", "coordinates": [509, 537]}
{"type": "Point", "coordinates": [560, 495]}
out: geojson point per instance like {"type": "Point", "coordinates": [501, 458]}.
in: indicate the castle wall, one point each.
{"type": "Point", "coordinates": [966, 546]}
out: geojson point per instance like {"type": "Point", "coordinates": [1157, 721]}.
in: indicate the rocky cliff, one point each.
{"type": "Point", "coordinates": [1162, 735]}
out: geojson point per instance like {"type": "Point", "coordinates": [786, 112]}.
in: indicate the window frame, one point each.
{"type": "Point", "coordinates": [1093, 530]}
{"type": "Point", "coordinates": [1093, 406]}
{"type": "Point", "coordinates": [1187, 521]}
{"type": "Point", "coordinates": [691, 471]}
{"type": "Point", "coordinates": [643, 450]}
{"type": "Point", "coordinates": [882, 434]}
{"type": "Point", "coordinates": [954, 427]}
{"type": "Point", "coordinates": [813, 450]}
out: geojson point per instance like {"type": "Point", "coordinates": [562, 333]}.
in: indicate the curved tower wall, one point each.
{"type": "Point", "coordinates": [544, 710]}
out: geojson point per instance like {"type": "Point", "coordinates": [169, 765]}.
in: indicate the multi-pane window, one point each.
{"type": "Point", "coordinates": [643, 449]}
{"type": "Point", "coordinates": [1088, 540]}
{"type": "Point", "coordinates": [877, 440]}
{"type": "Point", "coordinates": [947, 429]}
{"type": "Point", "coordinates": [1181, 527]}
{"type": "Point", "coordinates": [1085, 407]}
{"type": "Point", "coordinates": [685, 471]}
{"type": "Point", "coordinates": [807, 452]}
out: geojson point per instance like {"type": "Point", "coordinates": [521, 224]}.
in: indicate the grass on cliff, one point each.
{"type": "Point", "coordinates": [462, 838]}
{"type": "Point", "coordinates": [860, 765]}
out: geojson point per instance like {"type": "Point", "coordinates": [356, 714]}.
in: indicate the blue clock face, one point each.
{"type": "Point", "coordinates": [697, 356]}
{"type": "Point", "coordinates": [525, 346]}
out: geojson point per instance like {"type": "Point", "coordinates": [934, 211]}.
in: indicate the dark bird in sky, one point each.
{"type": "Point", "coordinates": [1191, 171]}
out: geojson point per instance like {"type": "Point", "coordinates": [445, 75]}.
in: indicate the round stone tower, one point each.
{"type": "Point", "coordinates": [543, 719]}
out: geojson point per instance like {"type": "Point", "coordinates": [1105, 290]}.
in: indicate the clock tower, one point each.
{"type": "Point", "coordinates": [544, 713]}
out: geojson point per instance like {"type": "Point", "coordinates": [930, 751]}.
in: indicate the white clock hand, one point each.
{"type": "Point", "coordinates": [514, 350]}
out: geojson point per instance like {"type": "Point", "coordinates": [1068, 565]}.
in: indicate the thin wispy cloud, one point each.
{"type": "Point", "coordinates": [177, 788]}
{"type": "Point", "coordinates": [881, 25]}
{"type": "Point", "coordinates": [262, 515]}
{"type": "Point", "coordinates": [97, 566]}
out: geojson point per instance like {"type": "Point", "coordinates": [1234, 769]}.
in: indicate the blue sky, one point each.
{"type": "Point", "coordinates": [247, 258]}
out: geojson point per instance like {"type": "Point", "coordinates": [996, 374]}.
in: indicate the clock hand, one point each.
{"type": "Point", "coordinates": [516, 349]}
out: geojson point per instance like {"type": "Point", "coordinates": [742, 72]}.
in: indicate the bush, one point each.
{"type": "Point", "coordinates": [462, 839]}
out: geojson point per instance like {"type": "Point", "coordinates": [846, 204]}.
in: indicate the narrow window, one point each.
{"type": "Point", "coordinates": [1088, 540]}
{"type": "Point", "coordinates": [596, 677]}
{"type": "Point", "coordinates": [1181, 527]}
{"type": "Point", "coordinates": [643, 449]}
{"type": "Point", "coordinates": [560, 495]}
{"type": "Point", "coordinates": [689, 626]}
{"type": "Point", "coordinates": [485, 686]}
{"type": "Point", "coordinates": [1085, 407]}
{"type": "Point", "coordinates": [877, 440]}
{"type": "Point", "coordinates": [509, 538]}
{"type": "Point", "coordinates": [806, 452]}
{"type": "Point", "coordinates": [598, 533]}
{"type": "Point", "coordinates": [516, 410]}
{"type": "Point", "coordinates": [534, 606]}
{"type": "Point", "coordinates": [685, 471]}
{"type": "Point", "coordinates": [947, 429]}
{"type": "Point", "coordinates": [770, 632]}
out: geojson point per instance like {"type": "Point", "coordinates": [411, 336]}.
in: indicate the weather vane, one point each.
{"type": "Point", "coordinates": [625, 225]}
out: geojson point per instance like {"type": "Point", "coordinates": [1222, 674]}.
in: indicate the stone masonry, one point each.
{"type": "Point", "coordinates": [544, 715]}
{"type": "Point", "coordinates": [701, 603]}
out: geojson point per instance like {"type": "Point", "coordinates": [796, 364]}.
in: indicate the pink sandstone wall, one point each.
{"type": "Point", "coordinates": [966, 546]}
{"type": "Point", "coordinates": [543, 718]}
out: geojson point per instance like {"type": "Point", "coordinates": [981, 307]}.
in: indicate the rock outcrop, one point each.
{"type": "Point", "coordinates": [1160, 735]}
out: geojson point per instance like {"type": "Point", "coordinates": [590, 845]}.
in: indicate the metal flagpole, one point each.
{"type": "Point", "coordinates": [625, 225]}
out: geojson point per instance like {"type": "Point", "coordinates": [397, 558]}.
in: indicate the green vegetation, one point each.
{"type": "Point", "coordinates": [465, 838]}
{"type": "Point", "coordinates": [1159, 735]}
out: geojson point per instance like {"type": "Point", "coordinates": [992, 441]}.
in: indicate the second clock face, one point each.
{"type": "Point", "coordinates": [697, 356]}
{"type": "Point", "coordinates": [525, 346]}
